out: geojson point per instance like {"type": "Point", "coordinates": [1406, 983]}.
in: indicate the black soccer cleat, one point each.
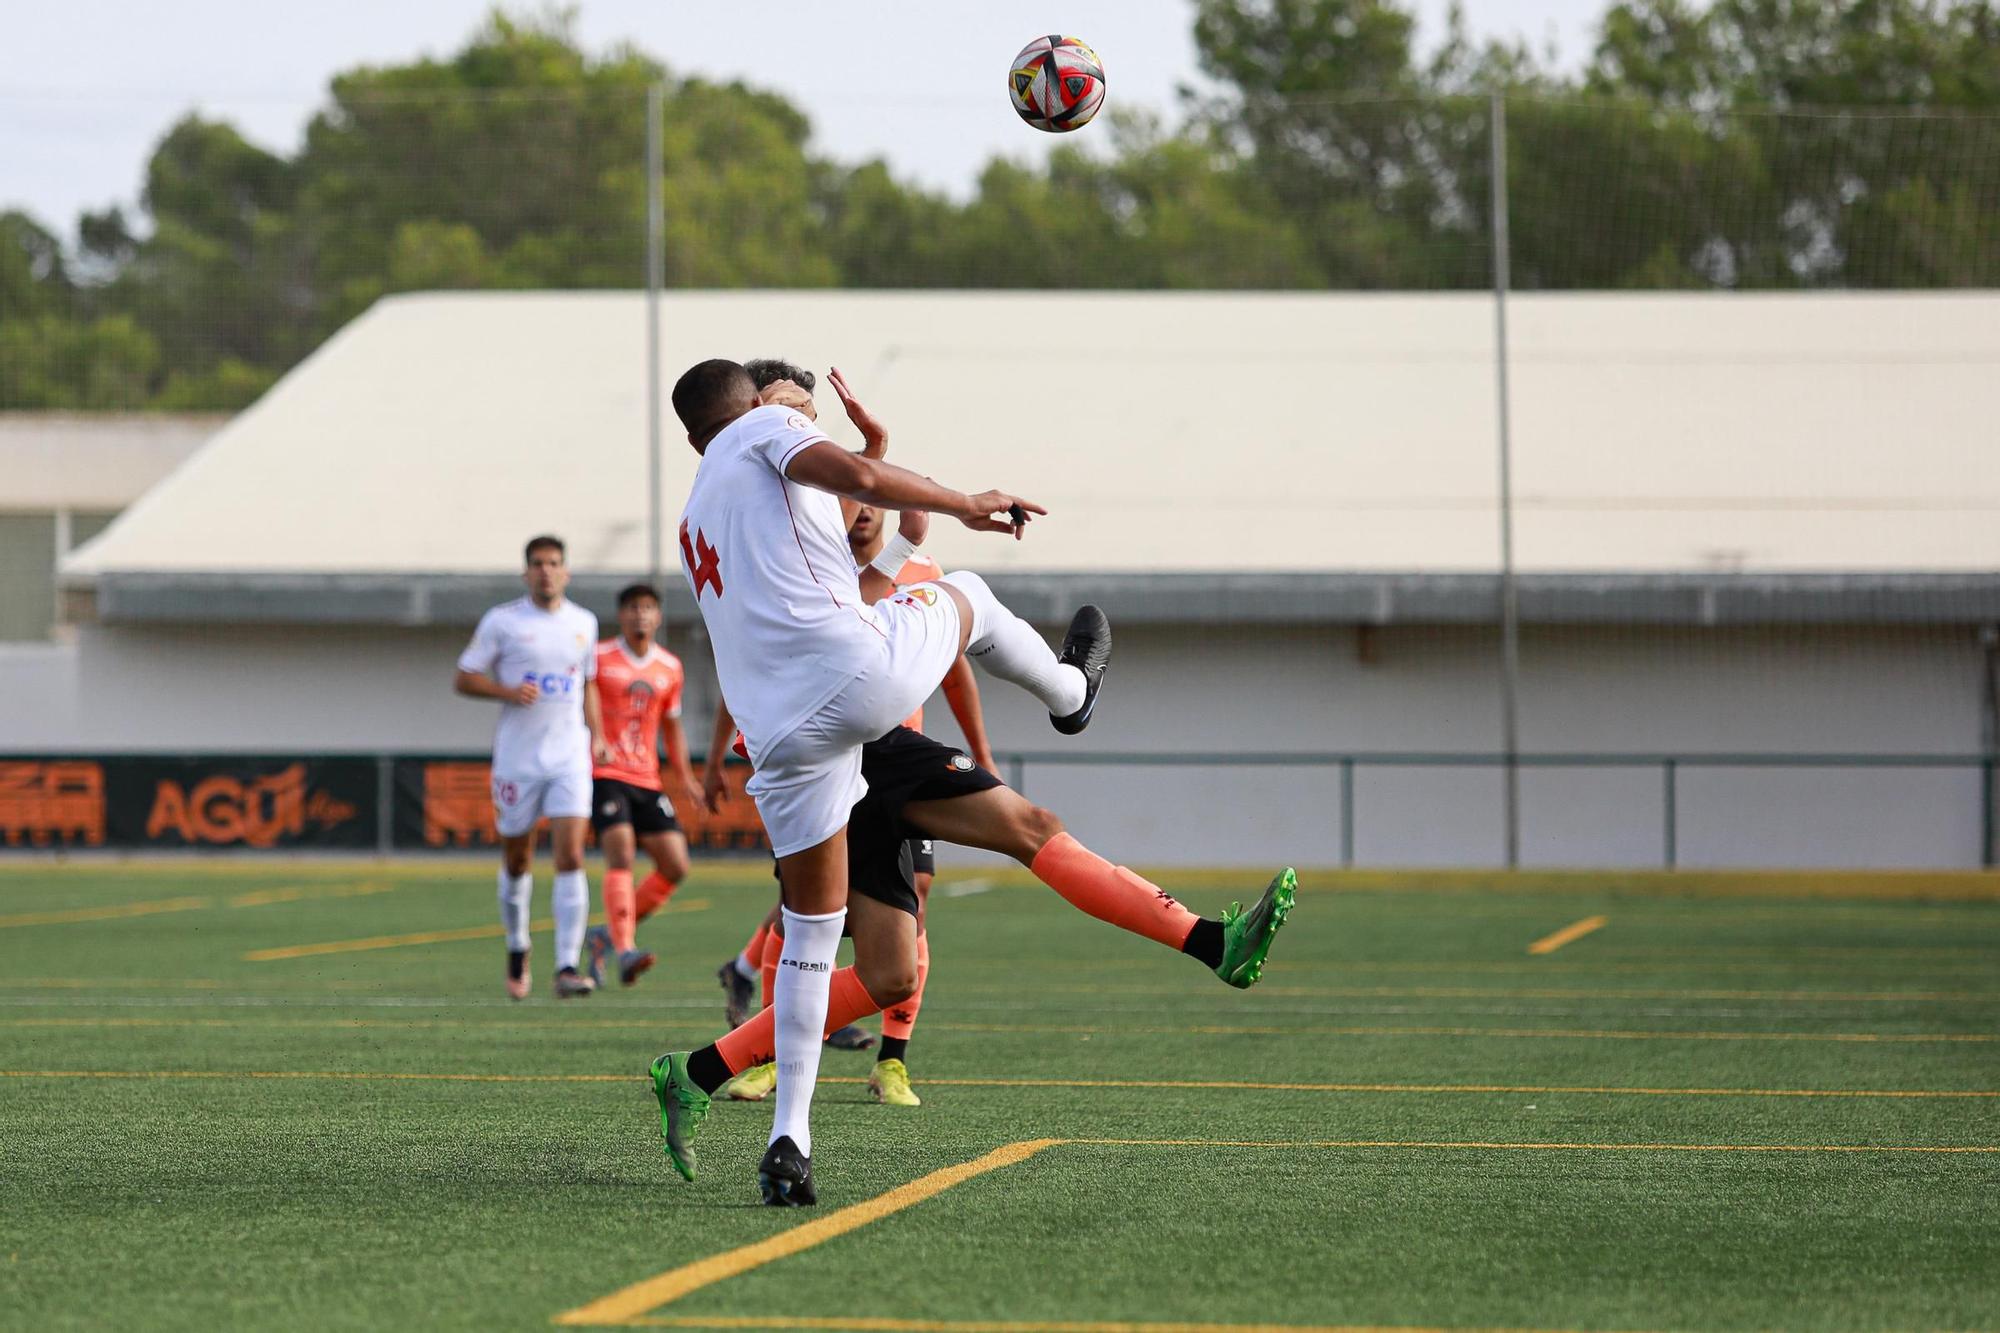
{"type": "Point", "coordinates": [853, 1037]}
{"type": "Point", "coordinates": [785, 1176]}
{"type": "Point", "coordinates": [739, 994]}
{"type": "Point", "coordinates": [1087, 647]}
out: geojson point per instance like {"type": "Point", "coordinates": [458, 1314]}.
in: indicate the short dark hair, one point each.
{"type": "Point", "coordinates": [768, 370]}
{"type": "Point", "coordinates": [544, 543]}
{"type": "Point", "coordinates": [632, 592]}
{"type": "Point", "coordinates": [702, 393]}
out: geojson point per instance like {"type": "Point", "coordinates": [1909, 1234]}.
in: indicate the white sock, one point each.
{"type": "Point", "coordinates": [1009, 647]}
{"type": "Point", "coordinates": [516, 891]}
{"type": "Point", "coordinates": [805, 976]}
{"type": "Point", "coordinates": [572, 915]}
{"type": "Point", "coordinates": [745, 969]}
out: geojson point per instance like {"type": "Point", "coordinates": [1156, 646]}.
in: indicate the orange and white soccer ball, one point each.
{"type": "Point", "coordinates": [1057, 84]}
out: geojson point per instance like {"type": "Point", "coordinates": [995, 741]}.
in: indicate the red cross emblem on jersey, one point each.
{"type": "Point", "coordinates": [703, 564]}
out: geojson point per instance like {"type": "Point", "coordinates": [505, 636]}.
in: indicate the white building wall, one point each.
{"type": "Point", "coordinates": [1253, 690]}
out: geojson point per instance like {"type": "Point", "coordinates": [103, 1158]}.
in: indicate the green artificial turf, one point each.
{"type": "Point", "coordinates": [208, 1193]}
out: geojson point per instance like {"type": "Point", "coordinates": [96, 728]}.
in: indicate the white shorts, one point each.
{"type": "Point", "coordinates": [808, 781]}
{"type": "Point", "coordinates": [519, 801]}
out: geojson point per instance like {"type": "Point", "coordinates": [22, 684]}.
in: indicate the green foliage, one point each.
{"type": "Point", "coordinates": [1694, 150]}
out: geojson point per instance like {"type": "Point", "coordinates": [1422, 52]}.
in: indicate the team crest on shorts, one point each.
{"type": "Point", "coordinates": [960, 763]}
{"type": "Point", "coordinates": [913, 596]}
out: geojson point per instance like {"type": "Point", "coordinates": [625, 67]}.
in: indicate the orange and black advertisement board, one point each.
{"type": "Point", "coordinates": [445, 802]}
{"type": "Point", "coordinates": [307, 802]}
{"type": "Point", "coordinates": [174, 801]}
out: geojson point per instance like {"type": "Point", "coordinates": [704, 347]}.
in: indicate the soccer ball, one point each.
{"type": "Point", "coordinates": [1057, 84]}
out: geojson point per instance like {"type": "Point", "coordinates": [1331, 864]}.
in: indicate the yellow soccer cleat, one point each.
{"type": "Point", "coordinates": [890, 1082]}
{"type": "Point", "coordinates": [752, 1085]}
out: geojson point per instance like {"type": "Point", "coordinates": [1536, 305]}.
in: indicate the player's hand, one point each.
{"type": "Point", "coordinates": [987, 504]}
{"type": "Point", "coordinates": [985, 759]}
{"type": "Point", "coordinates": [526, 693]}
{"type": "Point", "coordinates": [873, 433]}
{"type": "Point", "coordinates": [695, 795]}
{"type": "Point", "coordinates": [914, 526]}
{"type": "Point", "coordinates": [784, 393]}
{"type": "Point", "coordinates": [713, 791]}
{"type": "Point", "coordinates": [600, 750]}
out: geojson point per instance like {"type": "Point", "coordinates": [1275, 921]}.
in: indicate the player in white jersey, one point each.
{"type": "Point", "coordinates": [538, 656]}
{"type": "Point", "coordinates": [813, 669]}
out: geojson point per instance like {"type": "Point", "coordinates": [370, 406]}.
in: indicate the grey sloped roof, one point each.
{"type": "Point", "coordinates": [1189, 438]}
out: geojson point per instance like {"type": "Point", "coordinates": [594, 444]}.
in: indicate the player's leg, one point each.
{"type": "Point", "coordinates": [666, 846]}
{"type": "Point", "coordinates": [1009, 647]}
{"type": "Point", "coordinates": [572, 905]}
{"type": "Point", "coordinates": [739, 975]}
{"type": "Point", "coordinates": [516, 804]}
{"type": "Point", "coordinates": [882, 918]}
{"type": "Point", "coordinates": [1001, 820]}
{"type": "Point", "coordinates": [889, 1081]}
{"type": "Point", "coordinates": [611, 818]}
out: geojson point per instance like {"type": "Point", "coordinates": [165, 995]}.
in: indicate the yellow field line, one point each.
{"type": "Point", "coordinates": [630, 1304]}
{"type": "Point", "coordinates": [1576, 930]}
{"type": "Point", "coordinates": [697, 1024]}
{"type": "Point", "coordinates": [295, 893]}
{"type": "Point", "coordinates": [1511, 993]}
{"type": "Point", "coordinates": [149, 907]}
{"type": "Point", "coordinates": [1481, 1146]}
{"type": "Point", "coordinates": [678, 1282]}
{"type": "Point", "coordinates": [1557, 1034]}
{"type": "Point", "coordinates": [492, 932]}
{"type": "Point", "coordinates": [875, 1323]}
{"type": "Point", "coordinates": [1219, 1085]}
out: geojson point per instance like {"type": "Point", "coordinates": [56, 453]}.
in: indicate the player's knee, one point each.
{"type": "Point", "coordinates": [891, 984]}
{"type": "Point", "coordinates": [516, 860]}
{"type": "Point", "coordinates": [568, 859]}
{"type": "Point", "coordinates": [1037, 826]}
{"type": "Point", "coordinates": [673, 863]}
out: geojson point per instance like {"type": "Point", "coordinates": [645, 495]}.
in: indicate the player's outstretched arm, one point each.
{"type": "Point", "coordinates": [874, 435]}
{"type": "Point", "coordinates": [828, 467]}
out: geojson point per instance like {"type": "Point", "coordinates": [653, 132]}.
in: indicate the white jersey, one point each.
{"type": "Point", "coordinates": [771, 570]}
{"type": "Point", "coordinates": [557, 650]}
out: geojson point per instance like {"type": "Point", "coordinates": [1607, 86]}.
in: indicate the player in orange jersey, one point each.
{"type": "Point", "coordinates": [639, 684]}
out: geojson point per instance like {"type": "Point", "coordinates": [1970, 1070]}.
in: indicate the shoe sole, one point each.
{"type": "Point", "coordinates": [1284, 896]}
{"type": "Point", "coordinates": [784, 1192]}
{"type": "Point", "coordinates": [626, 976]}
{"type": "Point", "coordinates": [662, 1096]}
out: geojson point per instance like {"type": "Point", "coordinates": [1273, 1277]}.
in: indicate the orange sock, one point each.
{"type": "Point", "coordinates": [1111, 893]}
{"type": "Point", "coordinates": [618, 909]}
{"type": "Point", "coordinates": [653, 893]}
{"type": "Point", "coordinates": [753, 953]}
{"type": "Point", "coordinates": [755, 1042]}
{"type": "Point", "coordinates": [774, 949]}
{"type": "Point", "coordinates": [900, 1021]}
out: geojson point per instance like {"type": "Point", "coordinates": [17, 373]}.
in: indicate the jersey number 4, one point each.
{"type": "Point", "coordinates": [703, 565]}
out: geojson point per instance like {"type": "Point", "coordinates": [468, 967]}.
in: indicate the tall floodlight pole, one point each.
{"type": "Point", "coordinates": [1510, 626]}
{"type": "Point", "coordinates": [656, 219]}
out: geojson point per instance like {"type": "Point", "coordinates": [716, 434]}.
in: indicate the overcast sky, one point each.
{"type": "Point", "coordinates": [88, 86]}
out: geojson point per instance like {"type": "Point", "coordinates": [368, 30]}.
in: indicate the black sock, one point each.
{"type": "Point", "coordinates": [517, 962]}
{"type": "Point", "coordinates": [893, 1048]}
{"type": "Point", "coordinates": [707, 1069]}
{"type": "Point", "coordinates": [1205, 942]}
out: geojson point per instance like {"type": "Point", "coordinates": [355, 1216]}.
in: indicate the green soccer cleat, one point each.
{"type": "Point", "coordinates": [682, 1108]}
{"type": "Point", "coordinates": [1247, 936]}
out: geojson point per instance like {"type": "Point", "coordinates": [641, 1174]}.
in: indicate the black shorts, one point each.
{"type": "Point", "coordinates": [613, 803]}
{"type": "Point", "coordinates": [883, 853]}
